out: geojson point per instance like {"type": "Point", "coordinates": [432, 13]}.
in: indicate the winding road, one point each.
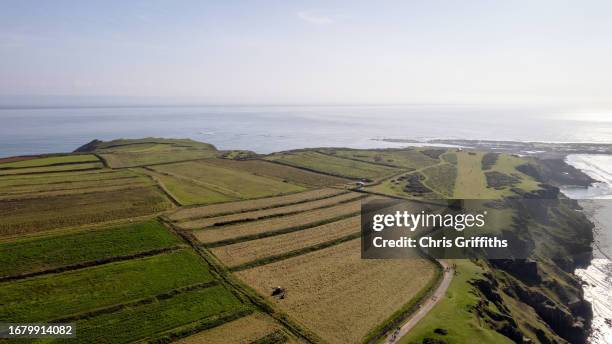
{"type": "Point", "coordinates": [425, 307]}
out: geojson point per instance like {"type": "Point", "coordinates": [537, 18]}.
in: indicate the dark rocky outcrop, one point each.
{"type": "Point", "coordinates": [488, 160]}
{"type": "Point", "coordinates": [434, 153]}
{"type": "Point", "coordinates": [500, 180]}
{"type": "Point", "coordinates": [414, 184]}
{"type": "Point", "coordinates": [555, 172]}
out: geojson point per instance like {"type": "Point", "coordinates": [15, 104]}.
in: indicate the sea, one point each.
{"type": "Point", "coordinates": [270, 128]}
{"type": "Point", "coordinates": [266, 129]}
{"type": "Point", "coordinates": [596, 200]}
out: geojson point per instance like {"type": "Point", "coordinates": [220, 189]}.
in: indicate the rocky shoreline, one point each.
{"type": "Point", "coordinates": [547, 283]}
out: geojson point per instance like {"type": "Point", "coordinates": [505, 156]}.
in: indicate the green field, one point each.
{"type": "Point", "coordinates": [53, 251]}
{"type": "Point", "coordinates": [54, 160]}
{"type": "Point", "coordinates": [186, 191]}
{"type": "Point", "coordinates": [333, 165]}
{"type": "Point", "coordinates": [281, 172]}
{"type": "Point", "coordinates": [64, 177]}
{"type": "Point", "coordinates": [54, 296]}
{"type": "Point", "coordinates": [37, 214]}
{"type": "Point", "coordinates": [233, 183]}
{"type": "Point", "coordinates": [130, 153]}
{"type": "Point", "coordinates": [51, 169]}
{"type": "Point", "coordinates": [403, 158]}
{"type": "Point", "coordinates": [152, 320]}
{"type": "Point", "coordinates": [471, 181]}
{"type": "Point", "coordinates": [58, 189]}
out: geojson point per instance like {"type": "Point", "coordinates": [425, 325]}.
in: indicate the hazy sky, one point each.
{"type": "Point", "coordinates": [315, 51]}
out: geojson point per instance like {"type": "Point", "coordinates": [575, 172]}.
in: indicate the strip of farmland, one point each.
{"type": "Point", "coordinates": [50, 161]}
{"type": "Point", "coordinates": [188, 311]}
{"type": "Point", "coordinates": [52, 169]}
{"type": "Point", "coordinates": [267, 213]}
{"type": "Point", "coordinates": [325, 289]}
{"type": "Point", "coordinates": [256, 204]}
{"type": "Point", "coordinates": [38, 214]}
{"type": "Point", "coordinates": [249, 251]}
{"type": "Point", "coordinates": [284, 172]}
{"type": "Point", "coordinates": [54, 296]}
{"type": "Point", "coordinates": [49, 252]}
{"type": "Point", "coordinates": [58, 190]}
{"type": "Point", "coordinates": [333, 165]}
{"type": "Point", "coordinates": [227, 181]}
{"type": "Point", "coordinates": [63, 177]}
{"type": "Point", "coordinates": [280, 225]}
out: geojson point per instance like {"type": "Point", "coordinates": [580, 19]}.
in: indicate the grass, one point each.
{"type": "Point", "coordinates": [244, 252]}
{"type": "Point", "coordinates": [131, 153]}
{"type": "Point", "coordinates": [281, 172]}
{"type": "Point", "coordinates": [333, 165]}
{"type": "Point", "coordinates": [187, 192]}
{"type": "Point", "coordinates": [233, 183]}
{"type": "Point", "coordinates": [153, 320]}
{"type": "Point", "coordinates": [251, 205]}
{"type": "Point", "coordinates": [54, 160]}
{"type": "Point", "coordinates": [273, 212]}
{"type": "Point", "coordinates": [452, 313]}
{"type": "Point", "coordinates": [402, 158]}
{"type": "Point", "coordinates": [51, 169]}
{"type": "Point", "coordinates": [241, 331]}
{"type": "Point", "coordinates": [472, 183]}
{"type": "Point", "coordinates": [37, 190]}
{"type": "Point", "coordinates": [441, 178]}
{"type": "Point", "coordinates": [300, 221]}
{"type": "Point", "coordinates": [64, 177]}
{"type": "Point", "coordinates": [338, 295]}
{"type": "Point", "coordinates": [38, 214]}
{"type": "Point", "coordinates": [53, 251]}
{"type": "Point", "coordinates": [54, 296]}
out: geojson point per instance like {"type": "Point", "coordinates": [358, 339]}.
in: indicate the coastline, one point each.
{"type": "Point", "coordinates": [596, 201]}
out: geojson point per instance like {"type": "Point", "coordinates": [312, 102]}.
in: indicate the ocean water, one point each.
{"type": "Point", "coordinates": [265, 129]}
{"type": "Point", "coordinates": [596, 201]}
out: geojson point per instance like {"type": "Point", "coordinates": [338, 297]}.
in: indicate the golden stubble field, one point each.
{"type": "Point", "coordinates": [307, 218]}
{"type": "Point", "coordinates": [248, 251]}
{"type": "Point", "coordinates": [338, 295]}
{"type": "Point", "coordinates": [185, 214]}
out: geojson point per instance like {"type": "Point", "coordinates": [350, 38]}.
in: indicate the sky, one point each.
{"type": "Point", "coordinates": [254, 51]}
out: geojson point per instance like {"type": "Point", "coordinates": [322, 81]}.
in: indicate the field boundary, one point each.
{"type": "Point", "coordinates": [220, 225]}
{"type": "Point", "coordinates": [50, 165]}
{"type": "Point", "coordinates": [80, 181]}
{"type": "Point", "coordinates": [47, 172]}
{"type": "Point", "coordinates": [227, 192]}
{"type": "Point", "coordinates": [163, 189]}
{"type": "Point", "coordinates": [313, 170]}
{"type": "Point", "coordinates": [256, 209]}
{"type": "Point", "coordinates": [86, 190]}
{"type": "Point", "coordinates": [91, 263]}
{"type": "Point", "coordinates": [144, 301]}
{"type": "Point", "coordinates": [294, 253]}
{"type": "Point", "coordinates": [277, 232]}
